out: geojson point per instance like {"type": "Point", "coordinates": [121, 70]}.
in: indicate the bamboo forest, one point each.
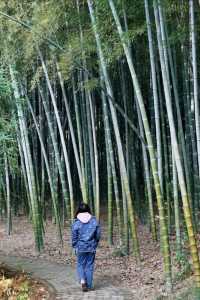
{"type": "Point", "coordinates": [100, 104]}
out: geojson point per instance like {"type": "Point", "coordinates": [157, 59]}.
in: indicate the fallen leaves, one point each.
{"type": "Point", "coordinates": [5, 286]}
{"type": "Point", "coordinates": [19, 285]}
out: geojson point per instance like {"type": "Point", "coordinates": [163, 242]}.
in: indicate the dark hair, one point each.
{"type": "Point", "coordinates": [83, 207]}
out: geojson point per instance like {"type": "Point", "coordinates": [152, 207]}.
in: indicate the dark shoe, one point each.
{"type": "Point", "coordinates": [90, 289]}
{"type": "Point", "coordinates": [84, 287]}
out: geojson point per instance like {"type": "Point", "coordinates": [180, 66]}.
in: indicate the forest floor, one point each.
{"type": "Point", "coordinates": [145, 280]}
{"type": "Point", "coordinates": [19, 285]}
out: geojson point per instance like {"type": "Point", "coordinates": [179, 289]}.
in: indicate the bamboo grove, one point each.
{"type": "Point", "coordinates": [100, 103]}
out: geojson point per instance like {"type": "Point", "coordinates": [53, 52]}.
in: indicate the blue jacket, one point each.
{"type": "Point", "coordinates": [86, 233]}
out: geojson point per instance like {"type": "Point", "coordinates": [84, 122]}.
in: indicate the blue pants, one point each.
{"type": "Point", "coordinates": [85, 267]}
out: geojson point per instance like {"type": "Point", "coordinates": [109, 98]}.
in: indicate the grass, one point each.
{"type": "Point", "coordinates": [190, 294]}
{"type": "Point", "coordinates": [24, 291]}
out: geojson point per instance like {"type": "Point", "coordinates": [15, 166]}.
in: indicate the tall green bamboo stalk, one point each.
{"type": "Point", "coordinates": [184, 195]}
{"type": "Point", "coordinates": [123, 170]}
{"type": "Point", "coordinates": [163, 227]}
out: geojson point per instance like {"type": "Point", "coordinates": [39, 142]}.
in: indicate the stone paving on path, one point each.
{"type": "Point", "coordinates": [62, 280]}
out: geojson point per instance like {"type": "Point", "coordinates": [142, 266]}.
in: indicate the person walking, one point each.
{"type": "Point", "coordinates": [86, 233]}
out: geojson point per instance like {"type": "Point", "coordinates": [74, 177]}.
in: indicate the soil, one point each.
{"type": "Point", "coordinates": [14, 285]}
{"type": "Point", "coordinates": [145, 279]}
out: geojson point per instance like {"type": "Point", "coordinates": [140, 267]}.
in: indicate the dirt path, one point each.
{"type": "Point", "coordinates": [62, 280]}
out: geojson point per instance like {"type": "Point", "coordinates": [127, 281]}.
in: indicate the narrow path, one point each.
{"type": "Point", "coordinates": [62, 280]}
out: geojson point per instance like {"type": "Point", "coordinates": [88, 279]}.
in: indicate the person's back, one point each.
{"type": "Point", "coordinates": [85, 233]}
{"type": "Point", "coordinates": [85, 238]}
